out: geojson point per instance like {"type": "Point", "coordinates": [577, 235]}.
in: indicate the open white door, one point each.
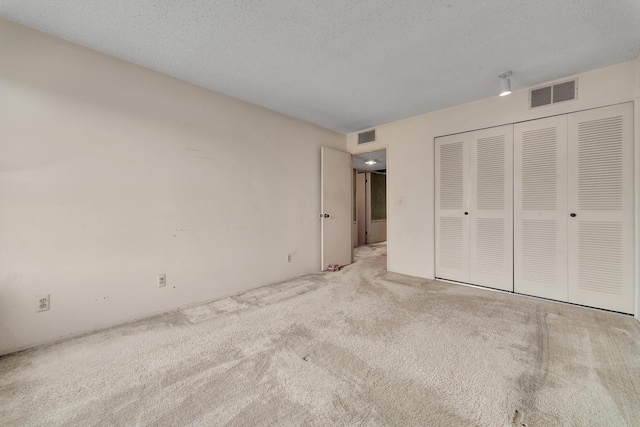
{"type": "Point", "coordinates": [336, 192]}
{"type": "Point", "coordinates": [361, 186]}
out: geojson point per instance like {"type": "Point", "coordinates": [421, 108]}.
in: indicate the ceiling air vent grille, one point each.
{"type": "Point", "coordinates": [560, 92]}
{"type": "Point", "coordinates": [368, 136]}
{"type": "Point", "coordinates": [564, 91]}
{"type": "Point", "coordinates": [541, 96]}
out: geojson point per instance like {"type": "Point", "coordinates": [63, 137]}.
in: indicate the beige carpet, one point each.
{"type": "Point", "coordinates": [357, 347]}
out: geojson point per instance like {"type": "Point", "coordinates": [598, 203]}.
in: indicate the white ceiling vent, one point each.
{"type": "Point", "coordinates": [559, 92]}
{"type": "Point", "coordinates": [368, 136]}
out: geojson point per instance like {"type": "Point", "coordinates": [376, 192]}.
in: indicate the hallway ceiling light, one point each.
{"type": "Point", "coordinates": [370, 162]}
{"type": "Point", "coordinates": [505, 83]}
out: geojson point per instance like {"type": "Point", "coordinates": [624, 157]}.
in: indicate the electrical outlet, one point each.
{"type": "Point", "coordinates": [162, 280]}
{"type": "Point", "coordinates": [44, 303]}
{"type": "Point", "coordinates": [289, 258]}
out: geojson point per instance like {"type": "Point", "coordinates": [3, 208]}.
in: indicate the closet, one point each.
{"type": "Point", "coordinates": [573, 212]}
{"type": "Point", "coordinates": [474, 204]}
{"type": "Point", "coordinates": [542, 208]}
{"type": "Point", "coordinates": [540, 202]}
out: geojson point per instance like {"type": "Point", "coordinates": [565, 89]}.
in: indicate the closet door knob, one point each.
{"type": "Point", "coordinates": [466, 213]}
{"type": "Point", "coordinates": [572, 215]}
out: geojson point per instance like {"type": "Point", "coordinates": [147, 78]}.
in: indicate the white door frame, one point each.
{"type": "Point", "coordinates": [364, 150]}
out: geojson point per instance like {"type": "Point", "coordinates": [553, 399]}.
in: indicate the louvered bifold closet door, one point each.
{"type": "Point", "coordinates": [452, 225]}
{"type": "Point", "coordinates": [540, 208]}
{"type": "Point", "coordinates": [601, 242]}
{"type": "Point", "coordinates": [491, 207]}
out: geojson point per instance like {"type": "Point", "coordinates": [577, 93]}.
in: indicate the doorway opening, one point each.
{"type": "Point", "coordinates": [369, 210]}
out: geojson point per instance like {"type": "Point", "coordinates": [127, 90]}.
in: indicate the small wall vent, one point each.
{"type": "Point", "coordinates": [559, 92]}
{"type": "Point", "coordinates": [368, 136]}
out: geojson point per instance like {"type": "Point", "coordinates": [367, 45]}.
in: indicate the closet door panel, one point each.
{"type": "Point", "coordinates": [491, 207]}
{"type": "Point", "coordinates": [601, 197]}
{"type": "Point", "coordinates": [452, 225]}
{"type": "Point", "coordinates": [540, 208]}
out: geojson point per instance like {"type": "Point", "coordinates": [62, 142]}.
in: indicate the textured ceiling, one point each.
{"type": "Point", "coordinates": [349, 65]}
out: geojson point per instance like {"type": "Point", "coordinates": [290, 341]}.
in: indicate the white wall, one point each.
{"type": "Point", "coordinates": [111, 173]}
{"type": "Point", "coordinates": [354, 234]}
{"type": "Point", "coordinates": [410, 153]}
{"type": "Point", "coordinates": [378, 230]}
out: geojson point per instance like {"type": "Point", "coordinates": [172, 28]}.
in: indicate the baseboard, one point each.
{"type": "Point", "coordinates": [484, 288]}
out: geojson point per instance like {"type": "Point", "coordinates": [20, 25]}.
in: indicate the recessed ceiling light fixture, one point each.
{"type": "Point", "coordinates": [505, 83]}
{"type": "Point", "coordinates": [370, 162]}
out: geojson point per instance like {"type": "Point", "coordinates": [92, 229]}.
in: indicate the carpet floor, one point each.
{"type": "Point", "coordinates": [356, 347]}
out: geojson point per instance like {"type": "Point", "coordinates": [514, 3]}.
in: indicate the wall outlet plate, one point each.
{"type": "Point", "coordinates": [162, 280]}
{"type": "Point", "coordinates": [44, 302]}
{"type": "Point", "coordinates": [289, 258]}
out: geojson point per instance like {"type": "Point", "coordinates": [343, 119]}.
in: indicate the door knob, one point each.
{"type": "Point", "coordinates": [572, 215]}
{"type": "Point", "coordinates": [466, 213]}
{"type": "Point", "coordinates": [325, 216]}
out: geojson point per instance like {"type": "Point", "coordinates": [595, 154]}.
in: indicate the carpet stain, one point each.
{"type": "Point", "coordinates": [518, 419]}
